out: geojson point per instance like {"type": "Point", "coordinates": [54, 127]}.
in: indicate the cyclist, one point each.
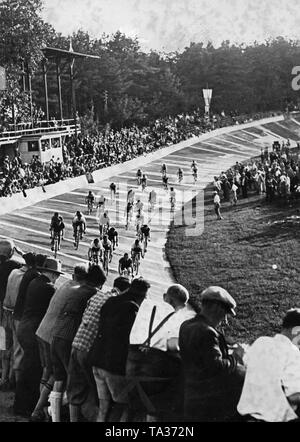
{"type": "Point", "coordinates": [139, 205]}
{"type": "Point", "coordinates": [90, 199]}
{"type": "Point", "coordinates": [136, 251]}
{"type": "Point", "coordinates": [139, 176]}
{"type": "Point", "coordinates": [194, 165]}
{"type": "Point", "coordinates": [78, 221]}
{"type": "Point", "coordinates": [128, 212]}
{"type": "Point", "coordinates": [113, 236]}
{"type": "Point", "coordinates": [113, 189]}
{"type": "Point", "coordinates": [107, 246]}
{"type": "Point", "coordinates": [172, 197]}
{"type": "Point", "coordinates": [125, 263]}
{"type": "Point", "coordinates": [139, 221]}
{"type": "Point", "coordinates": [145, 231]}
{"type": "Point", "coordinates": [163, 170]}
{"type": "Point", "coordinates": [152, 198]}
{"type": "Point", "coordinates": [103, 221]}
{"type": "Point", "coordinates": [144, 181]}
{"type": "Point", "coordinates": [95, 250]}
{"type": "Point", "coordinates": [180, 174]}
{"type": "Point", "coordinates": [101, 202]}
{"type": "Point", "coordinates": [56, 226]}
{"type": "Point", "coordinates": [130, 195]}
{"type": "Point", "coordinates": [165, 181]}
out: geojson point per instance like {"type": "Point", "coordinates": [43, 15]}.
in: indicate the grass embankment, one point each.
{"type": "Point", "coordinates": [238, 253]}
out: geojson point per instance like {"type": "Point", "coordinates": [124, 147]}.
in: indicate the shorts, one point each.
{"type": "Point", "coordinates": [110, 386]}
{"type": "Point", "coordinates": [81, 383]}
{"type": "Point", "coordinates": [60, 351]}
{"type": "Point", "coordinates": [45, 354]}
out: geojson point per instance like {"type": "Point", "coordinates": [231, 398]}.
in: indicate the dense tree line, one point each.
{"type": "Point", "coordinates": [139, 86]}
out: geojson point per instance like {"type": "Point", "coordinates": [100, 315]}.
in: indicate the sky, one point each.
{"type": "Point", "coordinates": [170, 25]}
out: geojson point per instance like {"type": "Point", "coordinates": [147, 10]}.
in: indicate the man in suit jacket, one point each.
{"type": "Point", "coordinates": [109, 354]}
{"type": "Point", "coordinates": [213, 379]}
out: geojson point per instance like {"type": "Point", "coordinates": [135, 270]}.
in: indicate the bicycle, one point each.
{"type": "Point", "coordinates": [144, 243]}
{"type": "Point", "coordinates": [127, 273]}
{"type": "Point", "coordinates": [78, 236]}
{"type": "Point", "coordinates": [56, 243]}
{"type": "Point", "coordinates": [180, 178]}
{"type": "Point", "coordinates": [95, 258]}
{"type": "Point", "coordinates": [195, 176]}
{"type": "Point", "coordinates": [172, 201]}
{"type": "Point", "coordinates": [105, 262]}
{"type": "Point", "coordinates": [144, 185]}
{"type": "Point", "coordinates": [136, 263]}
{"type": "Point", "coordinates": [104, 230]}
{"type": "Point", "coordinates": [89, 207]}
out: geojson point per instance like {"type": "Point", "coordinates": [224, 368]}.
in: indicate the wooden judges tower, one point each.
{"type": "Point", "coordinates": [45, 138]}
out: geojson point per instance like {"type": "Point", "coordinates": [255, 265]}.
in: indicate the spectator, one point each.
{"type": "Point", "coordinates": [166, 361]}
{"type": "Point", "coordinates": [271, 392]}
{"type": "Point", "coordinates": [39, 293]}
{"type": "Point", "coordinates": [110, 351]}
{"type": "Point", "coordinates": [7, 264]}
{"type": "Point", "coordinates": [213, 379]}
{"type": "Point", "coordinates": [81, 387]}
{"type": "Point", "coordinates": [65, 327]}
{"type": "Point", "coordinates": [45, 333]}
{"type": "Point", "coordinates": [12, 292]}
{"type": "Point", "coordinates": [217, 205]}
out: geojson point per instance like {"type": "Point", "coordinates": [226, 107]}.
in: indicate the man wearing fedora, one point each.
{"type": "Point", "coordinates": [213, 379]}
{"type": "Point", "coordinates": [38, 295]}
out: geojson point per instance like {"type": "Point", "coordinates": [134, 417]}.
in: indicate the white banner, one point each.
{"type": "Point", "coordinates": [207, 95]}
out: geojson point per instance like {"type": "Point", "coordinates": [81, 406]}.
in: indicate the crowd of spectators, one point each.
{"type": "Point", "coordinates": [91, 152]}
{"type": "Point", "coordinates": [80, 351]}
{"type": "Point", "coordinates": [276, 174]}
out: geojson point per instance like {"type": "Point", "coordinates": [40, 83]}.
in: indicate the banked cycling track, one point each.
{"type": "Point", "coordinates": [29, 226]}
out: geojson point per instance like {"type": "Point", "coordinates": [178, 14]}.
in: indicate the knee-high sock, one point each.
{"type": "Point", "coordinates": [55, 404]}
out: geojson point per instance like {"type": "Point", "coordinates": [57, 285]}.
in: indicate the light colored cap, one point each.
{"type": "Point", "coordinates": [218, 294]}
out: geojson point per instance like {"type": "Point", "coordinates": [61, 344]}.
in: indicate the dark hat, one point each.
{"type": "Point", "coordinates": [292, 318]}
{"type": "Point", "coordinates": [30, 259]}
{"type": "Point", "coordinates": [40, 259]}
{"type": "Point", "coordinates": [122, 283]}
{"type": "Point", "coordinates": [52, 265]}
{"type": "Point", "coordinates": [139, 284]}
{"type": "Point", "coordinates": [218, 294]}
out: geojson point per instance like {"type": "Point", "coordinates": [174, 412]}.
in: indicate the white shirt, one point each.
{"type": "Point", "coordinates": [173, 194]}
{"type": "Point", "coordinates": [104, 219]}
{"type": "Point", "coordinates": [217, 199]}
{"type": "Point", "coordinates": [76, 219]}
{"type": "Point", "coordinates": [234, 188]}
{"type": "Point", "coordinates": [139, 331]}
{"type": "Point", "coordinates": [273, 363]}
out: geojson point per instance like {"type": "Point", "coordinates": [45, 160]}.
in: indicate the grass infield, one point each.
{"type": "Point", "coordinates": [238, 253]}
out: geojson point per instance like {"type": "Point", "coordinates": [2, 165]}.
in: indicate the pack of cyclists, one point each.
{"type": "Point", "coordinates": [108, 238]}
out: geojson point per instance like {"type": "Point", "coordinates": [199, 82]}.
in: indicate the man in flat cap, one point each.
{"type": "Point", "coordinates": [213, 379]}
